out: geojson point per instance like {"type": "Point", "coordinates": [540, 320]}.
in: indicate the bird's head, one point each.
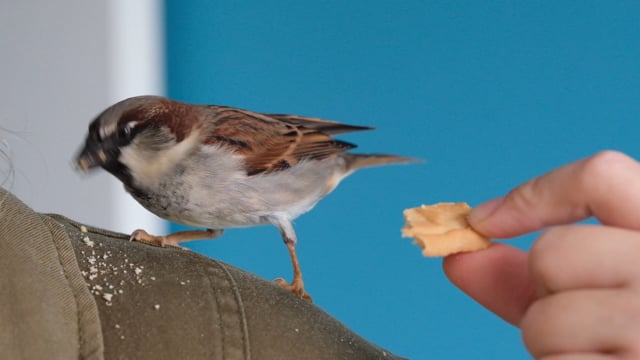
{"type": "Point", "coordinates": [139, 139]}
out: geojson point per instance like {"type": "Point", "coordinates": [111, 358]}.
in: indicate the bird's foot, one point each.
{"type": "Point", "coordinates": [296, 287]}
{"type": "Point", "coordinates": [142, 235]}
{"type": "Point", "coordinates": [176, 238]}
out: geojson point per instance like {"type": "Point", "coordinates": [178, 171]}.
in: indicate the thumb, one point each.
{"type": "Point", "coordinates": [605, 185]}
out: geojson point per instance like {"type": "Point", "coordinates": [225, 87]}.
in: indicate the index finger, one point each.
{"type": "Point", "coordinates": [605, 185]}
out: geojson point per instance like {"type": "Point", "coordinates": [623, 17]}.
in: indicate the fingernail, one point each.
{"type": "Point", "coordinates": [483, 211]}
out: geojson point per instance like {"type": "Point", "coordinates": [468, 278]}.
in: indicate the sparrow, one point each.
{"type": "Point", "coordinates": [218, 167]}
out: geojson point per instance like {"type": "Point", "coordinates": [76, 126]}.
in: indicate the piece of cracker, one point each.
{"type": "Point", "coordinates": [442, 229]}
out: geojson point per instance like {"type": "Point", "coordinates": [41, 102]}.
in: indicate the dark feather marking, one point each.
{"type": "Point", "coordinates": [326, 126]}
{"type": "Point", "coordinates": [228, 140]}
{"type": "Point", "coordinates": [280, 165]}
{"type": "Point", "coordinates": [252, 171]}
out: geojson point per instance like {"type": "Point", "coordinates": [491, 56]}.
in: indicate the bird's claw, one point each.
{"type": "Point", "coordinates": [142, 235]}
{"type": "Point", "coordinates": [162, 241]}
{"type": "Point", "coordinates": [296, 287]}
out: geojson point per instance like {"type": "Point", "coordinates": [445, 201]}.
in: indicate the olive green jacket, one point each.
{"type": "Point", "coordinates": [73, 292]}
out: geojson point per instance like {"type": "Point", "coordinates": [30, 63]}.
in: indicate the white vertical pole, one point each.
{"type": "Point", "coordinates": [136, 67]}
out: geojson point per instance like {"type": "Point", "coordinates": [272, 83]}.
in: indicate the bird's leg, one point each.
{"type": "Point", "coordinates": [176, 238]}
{"type": "Point", "coordinates": [297, 285]}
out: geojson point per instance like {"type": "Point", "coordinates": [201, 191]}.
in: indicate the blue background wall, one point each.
{"type": "Point", "coordinates": [490, 94]}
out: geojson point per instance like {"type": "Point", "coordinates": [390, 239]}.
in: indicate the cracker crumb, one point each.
{"type": "Point", "coordinates": [156, 306]}
{"type": "Point", "coordinates": [107, 296]}
{"type": "Point", "coordinates": [83, 229]}
{"type": "Point", "coordinates": [88, 241]}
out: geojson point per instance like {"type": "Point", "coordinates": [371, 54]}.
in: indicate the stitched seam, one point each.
{"type": "Point", "coordinates": [238, 298]}
{"type": "Point", "coordinates": [66, 276]}
{"type": "Point", "coordinates": [215, 297]}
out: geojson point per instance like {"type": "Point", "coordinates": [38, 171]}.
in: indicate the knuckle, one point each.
{"type": "Point", "coordinates": [525, 196]}
{"type": "Point", "coordinates": [608, 156]}
{"type": "Point", "coordinates": [602, 167]}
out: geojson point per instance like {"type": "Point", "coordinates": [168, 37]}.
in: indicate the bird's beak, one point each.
{"type": "Point", "coordinates": [91, 157]}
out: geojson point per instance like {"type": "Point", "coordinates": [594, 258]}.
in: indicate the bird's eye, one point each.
{"type": "Point", "coordinates": [126, 131]}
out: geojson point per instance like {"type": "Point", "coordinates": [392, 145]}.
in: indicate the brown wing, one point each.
{"type": "Point", "coordinates": [325, 126]}
{"type": "Point", "coordinates": [276, 142]}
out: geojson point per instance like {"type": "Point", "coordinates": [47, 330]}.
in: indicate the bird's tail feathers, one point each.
{"type": "Point", "coordinates": [357, 161]}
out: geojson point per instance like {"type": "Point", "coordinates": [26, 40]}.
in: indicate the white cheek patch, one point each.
{"type": "Point", "coordinates": [147, 164]}
{"type": "Point", "coordinates": [106, 131]}
{"type": "Point", "coordinates": [109, 123]}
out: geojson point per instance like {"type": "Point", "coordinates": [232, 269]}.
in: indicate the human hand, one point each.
{"type": "Point", "coordinates": [577, 293]}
